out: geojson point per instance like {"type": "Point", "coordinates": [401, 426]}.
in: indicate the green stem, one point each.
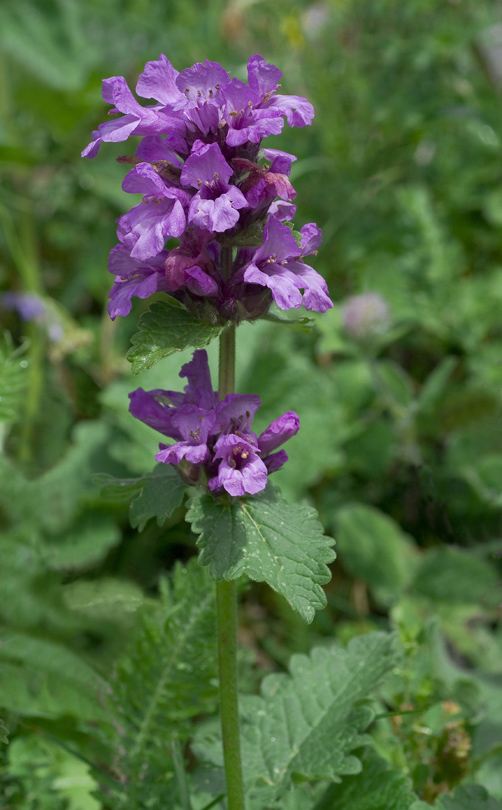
{"type": "Point", "coordinates": [226, 609]}
{"type": "Point", "coordinates": [226, 382]}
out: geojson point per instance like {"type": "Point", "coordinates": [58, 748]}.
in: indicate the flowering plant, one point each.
{"type": "Point", "coordinates": [206, 181]}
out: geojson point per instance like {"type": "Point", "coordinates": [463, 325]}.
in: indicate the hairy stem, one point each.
{"type": "Point", "coordinates": [226, 607]}
{"type": "Point", "coordinates": [226, 383]}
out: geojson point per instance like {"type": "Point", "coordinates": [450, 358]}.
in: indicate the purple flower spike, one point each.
{"type": "Point", "coordinates": [200, 170]}
{"type": "Point", "coordinates": [241, 470]}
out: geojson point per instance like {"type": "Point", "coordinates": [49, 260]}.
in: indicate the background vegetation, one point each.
{"type": "Point", "coordinates": [401, 442]}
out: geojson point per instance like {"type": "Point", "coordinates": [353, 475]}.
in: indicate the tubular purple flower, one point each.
{"type": "Point", "coordinates": [134, 279]}
{"type": "Point", "coordinates": [278, 266]}
{"type": "Point", "coordinates": [155, 410]}
{"type": "Point", "coordinates": [279, 432]}
{"type": "Point", "coordinates": [216, 204]}
{"type": "Point", "coordinates": [161, 214]}
{"type": "Point", "coordinates": [194, 424]}
{"type": "Point", "coordinates": [158, 81]}
{"type": "Point", "coordinates": [236, 412]}
{"type": "Point", "coordinates": [199, 389]}
{"type": "Point", "coordinates": [241, 470]}
{"type": "Point", "coordinates": [202, 83]}
{"type": "Point", "coordinates": [137, 120]}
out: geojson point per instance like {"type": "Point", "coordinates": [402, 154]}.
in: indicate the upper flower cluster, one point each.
{"type": "Point", "coordinates": [205, 180]}
{"type": "Point", "coordinates": [214, 436]}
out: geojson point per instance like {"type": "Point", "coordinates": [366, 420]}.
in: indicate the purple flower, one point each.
{"type": "Point", "coordinates": [134, 278]}
{"type": "Point", "coordinates": [29, 306]}
{"type": "Point", "coordinates": [202, 83]}
{"type": "Point", "coordinates": [240, 470]}
{"type": "Point", "coordinates": [278, 265]}
{"type": "Point", "coordinates": [216, 204]}
{"type": "Point", "coordinates": [279, 432]}
{"type": "Point", "coordinates": [214, 436]}
{"type": "Point", "coordinates": [235, 414]}
{"type": "Point", "coordinates": [159, 81]}
{"type": "Point", "coordinates": [264, 183]}
{"type": "Point", "coordinates": [247, 123]}
{"type": "Point", "coordinates": [137, 120]}
{"type": "Point", "coordinates": [194, 424]}
{"type": "Point", "coordinates": [161, 214]}
{"type": "Point", "coordinates": [199, 389]}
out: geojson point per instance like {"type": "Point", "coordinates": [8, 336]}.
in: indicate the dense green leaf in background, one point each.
{"type": "Point", "coordinates": [400, 443]}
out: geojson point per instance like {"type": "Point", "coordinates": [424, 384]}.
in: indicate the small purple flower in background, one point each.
{"type": "Point", "coordinates": [206, 181]}
{"type": "Point", "coordinates": [366, 315]}
{"type": "Point", "coordinates": [30, 307]}
{"type": "Point", "coordinates": [215, 436]}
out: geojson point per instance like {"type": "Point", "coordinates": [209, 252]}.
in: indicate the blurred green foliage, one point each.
{"type": "Point", "coordinates": [400, 448]}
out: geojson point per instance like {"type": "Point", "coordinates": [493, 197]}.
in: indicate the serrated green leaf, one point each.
{"type": "Point", "coordinates": [166, 328]}
{"type": "Point", "coordinates": [167, 677]}
{"type": "Point", "coordinates": [305, 725]}
{"type": "Point", "coordinates": [267, 539]}
{"type": "Point", "coordinates": [156, 495]}
{"type": "Point", "coordinates": [118, 490]}
{"type": "Point", "coordinates": [161, 493]}
{"type": "Point", "coordinates": [376, 787]}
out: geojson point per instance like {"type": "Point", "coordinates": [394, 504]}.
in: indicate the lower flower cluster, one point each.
{"type": "Point", "coordinates": [214, 439]}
